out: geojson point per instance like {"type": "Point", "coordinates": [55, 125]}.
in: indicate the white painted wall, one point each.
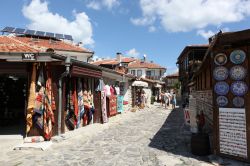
{"type": "Point", "coordinates": [157, 71]}
{"type": "Point", "coordinates": [81, 56]}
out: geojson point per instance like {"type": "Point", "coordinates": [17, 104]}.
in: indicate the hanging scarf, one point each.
{"type": "Point", "coordinates": [31, 99]}
{"type": "Point", "coordinates": [80, 102]}
{"type": "Point", "coordinates": [50, 107]}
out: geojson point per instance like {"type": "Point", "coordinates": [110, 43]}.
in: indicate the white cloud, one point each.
{"type": "Point", "coordinates": [132, 52]}
{"type": "Point", "coordinates": [205, 34]}
{"type": "Point", "coordinates": [98, 4]}
{"type": "Point", "coordinates": [179, 15]}
{"type": "Point", "coordinates": [152, 29]}
{"type": "Point", "coordinates": [94, 5]}
{"type": "Point", "coordinates": [42, 19]}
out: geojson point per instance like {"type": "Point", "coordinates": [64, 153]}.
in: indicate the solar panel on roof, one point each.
{"type": "Point", "coordinates": [19, 30]}
{"type": "Point", "coordinates": [68, 37]}
{"type": "Point", "coordinates": [49, 34]}
{"type": "Point", "coordinates": [59, 36]}
{"type": "Point", "coordinates": [30, 32]}
{"type": "Point", "coordinates": [40, 33]}
{"type": "Point", "coordinates": [8, 29]}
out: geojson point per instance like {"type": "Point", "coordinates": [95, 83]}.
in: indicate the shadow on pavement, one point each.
{"type": "Point", "coordinates": [174, 136]}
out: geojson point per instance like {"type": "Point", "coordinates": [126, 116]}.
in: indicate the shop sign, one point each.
{"type": "Point", "coordinates": [29, 57]}
{"type": "Point", "coordinates": [232, 132]}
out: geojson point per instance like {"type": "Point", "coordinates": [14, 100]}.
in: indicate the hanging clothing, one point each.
{"type": "Point", "coordinates": [80, 102]}
{"type": "Point", "coordinates": [100, 85]}
{"type": "Point", "coordinates": [117, 90]}
{"type": "Point", "coordinates": [31, 99]}
{"type": "Point", "coordinates": [104, 107]}
{"type": "Point", "coordinates": [112, 90]}
{"type": "Point", "coordinates": [107, 90]}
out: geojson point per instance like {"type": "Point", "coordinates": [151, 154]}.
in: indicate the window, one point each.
{"type": "Point", "coordinates": [133, 72]}
{"type": "Point", "coordinates": [139, 73]}
{"type": "Point", "coordinates": [148, 73]}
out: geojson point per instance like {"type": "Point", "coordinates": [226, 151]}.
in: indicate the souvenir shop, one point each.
{"type": "Point", "coordinates": [138, 94]}
{"type": "Point", "coordinates": [82, 96]}
{"type": "Point", "coordinates": [28, 104]}
{"type": "Point", "coordinates": [13, 87]}
{"type": "Point", "coordinates": [112, 92]}
{"type": "Point", "coordinates": [228, 89]}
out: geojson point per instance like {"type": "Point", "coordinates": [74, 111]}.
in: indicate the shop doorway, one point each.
{"type": "Point", "coordinates": [12, 104]}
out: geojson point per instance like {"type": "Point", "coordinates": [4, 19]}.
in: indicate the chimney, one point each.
{"type": "Point", "coordinates": [144, 57]}
{"type": "Point", "coordinates": [119, 57]}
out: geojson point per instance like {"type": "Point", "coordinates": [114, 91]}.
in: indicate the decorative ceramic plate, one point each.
{"type": "Point", "coordinates": [238, 101]}
{"type": "Point", "coordinates": [221, 88]}
{"type": "Point", "coordinates": [237, 56]}
{"type": "Point", "coordinates": [220, 73]}
{"type": "Point", "coordinates": [238, 73]}
{"type": "Point", "coordinates": [220, 59]}
{"type": "Point", "coordinates": [239, 88]}
{"type": "Point", "coordinates": [222, 101]}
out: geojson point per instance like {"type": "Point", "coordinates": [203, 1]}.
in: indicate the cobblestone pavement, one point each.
{"type": "Point", "coordinates": [154, 136]}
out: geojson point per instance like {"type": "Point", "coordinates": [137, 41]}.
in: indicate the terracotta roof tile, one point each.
{"type": "Point", "coordinates": [45, 44]}
{"type": "Point", "coordinates": [8, 44]}
{"type": "Point", "coordinates": [114, 61]}
{"type": "Point", "coordinates": [141, 64]}
{"type": "Point", "coordinates": [127, 59]}
{"type": "Point", "coordinates": [27, 44]}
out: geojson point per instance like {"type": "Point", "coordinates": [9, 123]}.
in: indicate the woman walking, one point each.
{"type": "Point", "coordinates": [173, 101]}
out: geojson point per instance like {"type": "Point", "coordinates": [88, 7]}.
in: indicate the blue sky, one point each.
{"type": "Point", "coordinates": [160, 29]}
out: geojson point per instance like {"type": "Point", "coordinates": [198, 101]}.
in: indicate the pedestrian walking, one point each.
{"type": "Point", "coordinates": [167, 97]}
{"type": "Point", "coordinates": [173, 101]}
{"type": "Point", "coordinates": [162, 98]}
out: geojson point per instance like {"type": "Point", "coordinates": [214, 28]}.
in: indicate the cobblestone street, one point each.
{"type": "Point", "coordinates": [154, 136]}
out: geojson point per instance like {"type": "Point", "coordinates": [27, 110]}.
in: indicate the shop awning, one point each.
{"type": "Point", "coordinates": [112, 76]}
{"type": "Point", "coordinates": [82, 71]}
{"type": "Point", "coordinates": [140, 83]}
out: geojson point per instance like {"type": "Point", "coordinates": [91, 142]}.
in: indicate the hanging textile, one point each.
{"type": "Point", "coordinates": [39, 102]}
{"type": "Point", "coordinates": [104, 108]}
{"type": "Point", "coordinates": [80, 102]}
{"type": "Point", "coordinates": [31, 99]}
{"type": "Point", "coordinates": [75, 100]}
{"type": "Point", "coordinates": [70, 115]}
{"type": "Point", "coordinates": [50, 107]}
{"type": "Point", "coordinates": [119, 103]}
{"type": "Point", "coordinates": [100, 85]}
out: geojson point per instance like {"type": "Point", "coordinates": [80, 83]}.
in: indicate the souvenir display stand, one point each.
{"type": "Point", "coordinates": [231, 102]}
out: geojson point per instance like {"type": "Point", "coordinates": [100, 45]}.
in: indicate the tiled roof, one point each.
{"type": "Point", "coordinates": [127, 59]}
{"type": "Point", "coordinates": [114, 61]}
{"type": "Point", "coordinates": [106, 62]}
{"type": "Point", "coordinates": [44, 44]}
{"type": "Point", "coordinates": [9, 44]}
{"type": "Point", "coordinates": [141, 64]}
